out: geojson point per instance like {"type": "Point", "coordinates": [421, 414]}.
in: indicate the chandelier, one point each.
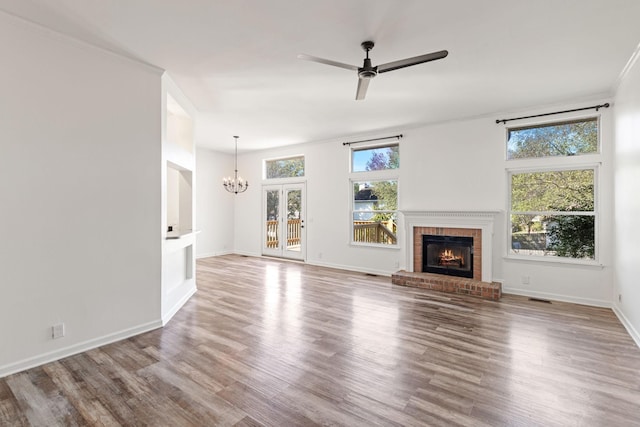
{"type": "Point", "coordinates": [237, 184]}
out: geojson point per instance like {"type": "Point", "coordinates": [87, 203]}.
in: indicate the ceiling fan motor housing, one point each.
{"type": "Point", "coordinates": [367, 71]}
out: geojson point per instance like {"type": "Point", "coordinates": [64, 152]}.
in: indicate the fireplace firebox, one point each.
{"type": "Point", "coordinates": [450, 255]}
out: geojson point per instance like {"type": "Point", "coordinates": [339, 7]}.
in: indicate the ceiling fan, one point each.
{"type": "Point", "coordinates": [367, 71]}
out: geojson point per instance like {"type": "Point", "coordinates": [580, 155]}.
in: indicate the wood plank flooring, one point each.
{"type": "Point", "coordinates": [266, 342]}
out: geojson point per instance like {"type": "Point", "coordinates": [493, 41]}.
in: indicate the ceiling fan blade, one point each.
{"type": "Point", "coordinates": [327, 62]}
{"type": "Point", "coordinates": [395, 65]}
{"type": "Point", "coordinates": [363, 84]}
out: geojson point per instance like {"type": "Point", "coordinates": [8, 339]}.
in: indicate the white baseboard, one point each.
{"type": "Point", "coordinates": [212, 254]}
{"type": "Point", "coordinates": [321, 264]}
{"type": "Point", "coordinates": [61, 353]}
{"type": "Point", "coordinates": [178, 305]}
{"type": "Point", "coordinates": [556, 297]}
{"type": "Point", "coordinates": [351, 268]}
{"type": "Point", "coordinates": [628, 326]}
{"type": "Point", "coordinates": [243, 253]}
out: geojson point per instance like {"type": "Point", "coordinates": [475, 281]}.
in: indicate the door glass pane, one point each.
{"type": "Point", "coordinates": [272, 216]}
{"type": "Point", "coordinates": [294, 222]}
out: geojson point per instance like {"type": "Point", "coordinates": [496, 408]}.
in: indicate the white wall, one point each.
{"type": "Point", "coordinates": [79, 196]}
{"type": "Point", "coordinates": [177, 198]}
{"type": "Point", "coordinates": [450, 166]}
{"type": "Point", "coordinates": [214, 209]}
{"type": "Point", "coordinates": [627, 203]}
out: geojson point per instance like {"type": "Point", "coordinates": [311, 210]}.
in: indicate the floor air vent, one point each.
{"type": "Point", "coordinates": [540, 300]}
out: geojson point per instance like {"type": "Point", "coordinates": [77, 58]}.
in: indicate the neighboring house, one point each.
{"type": "Point", "coordinates": [365, 200]}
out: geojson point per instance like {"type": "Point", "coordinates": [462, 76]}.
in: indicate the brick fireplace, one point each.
{"type": "Point", "coordinates": [477, 225]}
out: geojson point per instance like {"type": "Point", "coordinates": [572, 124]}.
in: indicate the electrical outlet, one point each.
{"type": "Point", "coordinates": [396, 264]}
{"type": "Point", "coordinates": [619, 297]}
{"type": "Point", "coordinates": [319, 255]}
{"type": "Point", "coordinates": [525, 280]}
{"type": "Point", "coordinates": [57, 331]}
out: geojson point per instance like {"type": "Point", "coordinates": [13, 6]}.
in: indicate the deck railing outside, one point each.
{"type": "Point", "coordinates": [374, 232]}
{"type": "Point", "coordinates": [294, 231]}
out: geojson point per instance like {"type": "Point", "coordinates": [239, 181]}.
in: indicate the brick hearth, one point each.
{"type": "Point", "coordinates": [449, 284]}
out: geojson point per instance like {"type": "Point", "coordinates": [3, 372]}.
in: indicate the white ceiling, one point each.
{"type": "Point", "coordinates": [236, 60]}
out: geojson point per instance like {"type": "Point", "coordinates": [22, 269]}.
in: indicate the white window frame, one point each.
{"type": "Point", "coordinates": [372, 176]}
{"type": "Point", "coordinates": [591, 161]}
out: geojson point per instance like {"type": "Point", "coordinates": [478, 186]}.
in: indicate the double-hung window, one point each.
{"type": "Point", "coordinates": [553, 189]}
{"type": "Point", "coordinates": [374, 195]}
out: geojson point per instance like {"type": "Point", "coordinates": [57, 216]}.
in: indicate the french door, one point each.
{"type": "Point", "coordinates": [283, 213]}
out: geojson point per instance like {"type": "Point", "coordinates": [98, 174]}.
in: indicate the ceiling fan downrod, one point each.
{"type": "Point", "coordinates": [367, 71]}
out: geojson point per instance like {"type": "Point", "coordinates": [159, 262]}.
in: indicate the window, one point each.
{"type": "Point", "coordinates": [556, 139]}
{"type": "Point", "coordinates": [552, 210]}
{"type": "Point", "coordinates": [376, 158]}
{"type": "Point", "coordinates": [374, 212]}
{"type": "Point", "coordinates": [291, 167]}
{"type": "Point", "coordinates": [374, 190]}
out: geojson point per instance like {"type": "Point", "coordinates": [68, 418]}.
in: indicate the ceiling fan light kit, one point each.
{"type": "Point", "coordinates": [368, 71]}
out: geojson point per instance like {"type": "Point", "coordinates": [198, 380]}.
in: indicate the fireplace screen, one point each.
{"type": "Point", "coordinates": [450, 255]}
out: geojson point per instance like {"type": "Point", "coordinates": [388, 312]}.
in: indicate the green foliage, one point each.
{"type": "Point", "coordinates": [273, 205]}
{"type": "Point", "coordinates": [387, 194]}
{"type": "Point", "coordinates": [568, 190]}
{"type": "Point", "coordinates": [562, 139]}
{"type": "Point", "coordinates": [572, 236]}
{"type": "Point", "coordinates": [285, 168]}
{"type": "Point", "coordinates": [294, 203]}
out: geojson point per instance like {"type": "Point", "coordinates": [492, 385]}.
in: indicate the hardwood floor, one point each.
{"type": "Point", "coordinates": [269, 342]}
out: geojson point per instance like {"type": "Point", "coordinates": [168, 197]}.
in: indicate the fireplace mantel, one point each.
{"type": "Point", "coordinates": [482, 220]}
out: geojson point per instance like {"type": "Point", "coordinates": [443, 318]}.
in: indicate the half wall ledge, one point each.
{"type": "Point", "coordinates": [448, 284]}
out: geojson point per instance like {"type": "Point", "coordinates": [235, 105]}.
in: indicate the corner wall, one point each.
{"type": "Point", "coordinates": [214, 209]}
{"type": "Point", "coordinates": [627, 201]}
{"type": "Point", "coordinates": [79, 193]}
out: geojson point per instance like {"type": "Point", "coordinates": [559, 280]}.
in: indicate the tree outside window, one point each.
{"type": "Point", "coordinates": [292, 167]}
{"type": "Point", "coordinates": [553, 212]}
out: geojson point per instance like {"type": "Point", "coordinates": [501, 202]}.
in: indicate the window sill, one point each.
{"type": "Point", "coordinates": [569, 262]}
